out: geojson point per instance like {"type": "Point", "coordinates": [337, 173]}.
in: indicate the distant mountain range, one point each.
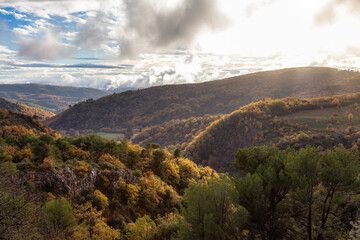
{"type": "Point", "coordinates": [15, 107]}
{"type": "Point", "coordinates": [157, 105]}
{"type": "Point", "coordinates": [48, 97]}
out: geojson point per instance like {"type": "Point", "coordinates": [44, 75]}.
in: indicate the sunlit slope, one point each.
{"type": "Point", "coordinates": [157, 105]}
{"type": "Point", "coordinates": [40, 113]}
{"type": "Point", "coordinates": [176, 133]}
{"type": "Point", "coordinates": [325, 122]}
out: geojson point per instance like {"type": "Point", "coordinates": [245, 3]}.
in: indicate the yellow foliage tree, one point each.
{"type": "Point", "coordinates": [92, 225]}
{"type": "Point", "coordinates": [23, 155]}
{"type": "Point", "coordinates": [102, 196]}
{"type": "Point", "coordinates": [107, 158]}
{"type": "Point", "coordinates": [48, 163]}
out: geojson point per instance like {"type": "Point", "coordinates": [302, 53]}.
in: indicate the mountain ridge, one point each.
{"type": "Point", "coordinates": [157, 105]}
{"type": "Point", "coordinates": [51, 98]}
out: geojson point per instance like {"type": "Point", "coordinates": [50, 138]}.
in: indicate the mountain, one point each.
{"type": "Point", "coordinates": [48, 97]}
{"type": "Point", "coordinates": [15, 107]}
{"type": "Point", "coordinates": [290, 122]}
{"type": "Point", "coordinates": [157, 105]}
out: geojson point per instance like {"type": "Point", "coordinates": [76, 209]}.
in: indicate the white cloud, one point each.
{"type": "Point", "coordinates": [15, 14]}
{"type": "Point", "coordinates": [46, 48]}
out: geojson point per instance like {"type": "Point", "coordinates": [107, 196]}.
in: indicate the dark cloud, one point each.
{"type": "Point", "coordinates": [327, 15]}
{"type": "Point", "coordinates": [150, 27]}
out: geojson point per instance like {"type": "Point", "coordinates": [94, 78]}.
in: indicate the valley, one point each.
{"type": "Point", "coordinates": [152, 175]}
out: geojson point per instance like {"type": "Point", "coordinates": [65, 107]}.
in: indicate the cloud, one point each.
{"type": "Point", "coordinates": [48, 8]}
{"type": "Point", "coordinates": [254, 6]}
{"type": "Point", "coordinates": [327, 15]}
{"type": "Point", "coordinates": [133, 26]}
{"type": "Point", "coordinates": [94, 32]}
{"type": "Point", "coordinates": [85, 65]}
{"type": "Point", "coordinates": [150, 27]}
{"type": "Point", "coordinates": [15, 14]}
{"type": "Point", "coordinates": [47, 48]}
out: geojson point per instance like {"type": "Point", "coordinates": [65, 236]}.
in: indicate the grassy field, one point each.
{"type": "Point", "coordinates": [110, 136]}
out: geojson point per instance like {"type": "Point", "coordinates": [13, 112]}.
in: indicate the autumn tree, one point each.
{"type": "Point", "coordinates": [92, 225]}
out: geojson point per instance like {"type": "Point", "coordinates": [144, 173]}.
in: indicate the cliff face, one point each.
{"type": "Point", "coordinates": [70, 181]}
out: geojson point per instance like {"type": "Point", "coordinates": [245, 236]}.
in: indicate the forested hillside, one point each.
{"type": "Point", "coordinates": [176, 133]}
{"type": "Point", "coordinates": [89, 187]}
{"type": "Point", "coordinates": [15, 107]}
{"type": "Point", "coordinates": [15, 124]}
{"type": "Point", "coordinates": [157, 105]}
{"type": "Point", "coordinates": [325, 122]}
{"type": "Point", "coordinates": [48, 97]}
{"type": "Point", "coordinates": [92, 188]}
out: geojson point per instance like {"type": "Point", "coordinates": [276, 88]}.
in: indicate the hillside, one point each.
{"type": "Point", "coordinates": [110, 185]}
{"type": "Point", "coordinates": [48, 97]}
{"type": "Point", "coordinates": [176, 132]}
{"type": "Point", "coordinates": [157, 105]}
{"type": "Point", "coordinates": [40, 113]}
{"type": "Point", "coordinates": [15, 123]}
{"type": "Point", "coordinates": [290, 122]}
{"type": "Point", "coordinates": [93, 188]}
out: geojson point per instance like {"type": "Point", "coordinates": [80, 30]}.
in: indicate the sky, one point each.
{"type": "Point", "coordinates": [112, 44]}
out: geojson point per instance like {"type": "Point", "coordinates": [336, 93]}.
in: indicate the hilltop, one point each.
{"type": "Point", "coordinates": [290, 122]}
{"type": "Point", "coordinates": [15, 107]}
{"type": "Point", "coordinates": [158, 105]}
{"type": "Point", "coordinates": [48, 97]}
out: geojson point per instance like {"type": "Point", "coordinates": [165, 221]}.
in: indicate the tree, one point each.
{"type": "Point", "coordinates": [158, 157]}
{"type": "Point", "coordinates": [304, 169]}
{"type": "Point", "coordinates": [133, 160]}
{"type": "Point", "coordinates": [143, 229]}
{"type": "Point", "coordinates": [57, 219]}
{"type": "Point", "coordinates": [338, 174]}
{"type": "Point", "coordinates": [92, 225]}
{"type": "Point", "coordinates": [177, 153]}
{"type": "Point", "coordinates": [40, 150]}
{"type": "Point", "coordinates": [129, 132]}
{"type": "Point", "coordinates": [25, 139]}
{"type": "Point", "coordinates": [264, 188]}
{"type": "Point", "coordinates": [211, 211]}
